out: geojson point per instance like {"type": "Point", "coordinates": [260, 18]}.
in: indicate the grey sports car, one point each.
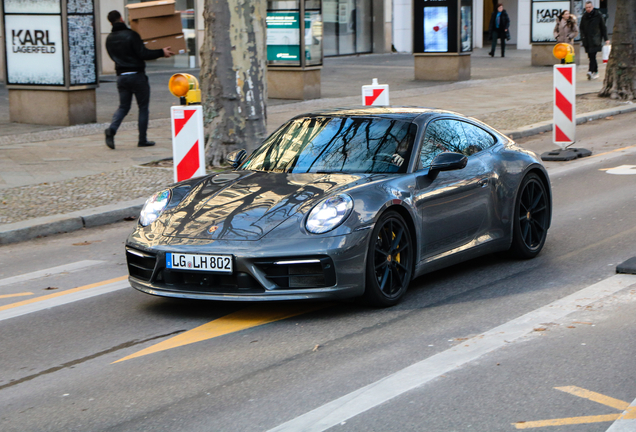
{"type": "Point", "coordinates": [343, 203]}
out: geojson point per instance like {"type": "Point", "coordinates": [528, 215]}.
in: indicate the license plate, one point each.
{"type": "Point", "coordinates": [198, 262]}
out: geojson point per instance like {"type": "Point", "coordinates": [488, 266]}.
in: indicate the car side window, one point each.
{"type": "Point", "coordinates": [442, 136]}
{"type": "Point", "coordinates": [478, 139]}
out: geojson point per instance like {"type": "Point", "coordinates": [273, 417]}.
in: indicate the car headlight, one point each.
{"type": "Point", "coordinates": [328, 214]}
{"type": "Point", "coordinates": [154, 206]}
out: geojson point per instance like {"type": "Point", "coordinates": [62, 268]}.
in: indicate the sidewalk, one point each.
{"type": "Point", "coordinates": [49, 171]}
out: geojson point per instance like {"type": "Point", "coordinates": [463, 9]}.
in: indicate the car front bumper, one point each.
{"type": "Point", "coordinates": [315, 268]}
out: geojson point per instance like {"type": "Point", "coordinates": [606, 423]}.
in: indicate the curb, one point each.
{"type": "Point", "coordinates": [103, 215]}
{"type": "Point", "coordinates": [49, 225]}
{"type": "Point", "coordinates": [546, 126]}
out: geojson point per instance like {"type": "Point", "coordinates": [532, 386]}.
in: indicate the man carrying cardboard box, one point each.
{"type": "Point", "coordinates": [127, 50]}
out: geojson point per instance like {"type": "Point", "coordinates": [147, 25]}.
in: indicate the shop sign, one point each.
{"type": "Point", "coordinates": [33, 46]}
{"type": "Point", "coordinates": [544, 17]}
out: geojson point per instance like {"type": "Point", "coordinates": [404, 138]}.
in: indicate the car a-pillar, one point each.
{"type": "Point", "coordinates": [442, 39]}
{"type": "Point", "coordinates": [51, 62]}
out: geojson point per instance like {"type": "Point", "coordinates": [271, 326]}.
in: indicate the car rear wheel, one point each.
{"type": "Point", "coordinates": [531, 219]}
{"type": "Point", "coordinates": [389, 261]}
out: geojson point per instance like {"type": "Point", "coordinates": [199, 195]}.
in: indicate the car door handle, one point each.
{"type": "Point", "coordinates": [483, 182]}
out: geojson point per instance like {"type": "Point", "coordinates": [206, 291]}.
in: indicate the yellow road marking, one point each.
{"type": "Point", "coordinates": [234, 322]}
{"type": "Point", "coordinates": [16, 295]}
{"type": "Point", "coordinates": [595, 397]}
{"type": "Point", "coordinates": [567, 421]}
{"type": "Point", "coordinates": [61, 293]}
{"type": "Point", "coordinates": [628, 412]}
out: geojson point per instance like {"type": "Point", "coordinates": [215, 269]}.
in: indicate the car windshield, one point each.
{"type": "Point", "coordinates": [336, 144]}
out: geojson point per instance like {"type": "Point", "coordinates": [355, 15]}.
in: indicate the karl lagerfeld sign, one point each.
{"type": "Point", "coordinates": [34, 49]}
{"type": "Point", "coordinates": [544, 18]}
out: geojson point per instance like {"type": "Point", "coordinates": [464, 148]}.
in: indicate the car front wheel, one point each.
{"type": "Point", "coordinates": [389, 261]}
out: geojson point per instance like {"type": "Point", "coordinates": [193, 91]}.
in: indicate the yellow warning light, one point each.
{"type": "Point", "coordinates": [564, 51]}
{"type": "Point", "coordinates": [185, 85]}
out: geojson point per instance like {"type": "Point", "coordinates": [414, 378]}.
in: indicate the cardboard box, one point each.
{"type": "Point", "coordinates": [155, 27]}
{"type": "Point", "coordinates": [150, 9]}
{"type": "Point", "coordinates": [176, 43]}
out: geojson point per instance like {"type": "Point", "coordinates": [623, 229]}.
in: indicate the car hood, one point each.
{"type": "Point", "coordinates": [248, 205]}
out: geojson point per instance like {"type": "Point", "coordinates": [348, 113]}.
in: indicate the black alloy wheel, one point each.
{"type": "Point", "coordinates": [532, 218]}
{"type": "Point", "coordinates": [389, 261]}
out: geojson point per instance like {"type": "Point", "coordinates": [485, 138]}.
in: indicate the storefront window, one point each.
{"type": "Point", "coordinates": [348, 26]}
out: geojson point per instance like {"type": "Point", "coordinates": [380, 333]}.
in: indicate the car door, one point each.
{"type": "Point", "coordinates": [454, 207]}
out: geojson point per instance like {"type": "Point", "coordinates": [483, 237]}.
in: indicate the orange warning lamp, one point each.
{"type": "Point", "coordinates": [185, 87]}
{"type": "Point", "coordinates": [564, 52]}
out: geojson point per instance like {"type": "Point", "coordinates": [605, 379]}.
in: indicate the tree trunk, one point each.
{"type": "Point", "coordinates": [620, 75]}
{"type": "Point", "coordinates": [233, 76]}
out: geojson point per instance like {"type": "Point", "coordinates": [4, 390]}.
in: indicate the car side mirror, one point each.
{"type": "Point", "coordinates": [236, 157]}
{"type": "Point", "coordinates": [447, 161]}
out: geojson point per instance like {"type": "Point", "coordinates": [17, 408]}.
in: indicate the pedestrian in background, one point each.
{"type": "Point", "coordinates": [566, 28]}
{"type": "Point", "coordinates": [127, 50]}
{"type": "Point", "coordinates": [593, 33]}
{"type": "Point", "coordinates": [499, 29]}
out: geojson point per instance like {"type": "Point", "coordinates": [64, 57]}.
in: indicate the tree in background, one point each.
{"type": "Point", "coordinates": [233, 76]}
{"type": "Point", "coordinates": [620, 75]}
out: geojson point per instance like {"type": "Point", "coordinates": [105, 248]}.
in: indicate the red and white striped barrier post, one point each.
{"type": "Point", "coordinates": [187, 141]}
{"type": "Point", "coordinates": [375, 94]}
{"type": "Point", "coordinates": [564, 130]}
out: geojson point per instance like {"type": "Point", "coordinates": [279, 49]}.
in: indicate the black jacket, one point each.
{"type": "Point", "coordinates": [593, 31]}
{"type": "Point", "coordinates": [127, 50]}
{"type": "Point", "coordinates": [504, 21]}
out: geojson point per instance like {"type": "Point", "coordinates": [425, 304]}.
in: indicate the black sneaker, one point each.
{"type": "Point", "coordinates": [146, 144]}
{"type": "Point", "coordinates": [110, 138]}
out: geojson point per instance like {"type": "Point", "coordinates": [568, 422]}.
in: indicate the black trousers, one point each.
{"type": "Point", "coordinates": [593, 64]}
{"type": "Point", "coordinates": [129, 85]}
{"type": "Point", "coordinates": [498, 34]}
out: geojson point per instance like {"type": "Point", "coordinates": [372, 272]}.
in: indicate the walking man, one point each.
{"type": "Point", "coordinates": [499, 28]}
{"type": "Point", "coordinates": [593, 33]}
{"type": "Point", "coordinates": [126, 49]}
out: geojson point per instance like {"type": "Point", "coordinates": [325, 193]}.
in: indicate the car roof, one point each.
{"type": "Point", "coordinates": [395, 112]}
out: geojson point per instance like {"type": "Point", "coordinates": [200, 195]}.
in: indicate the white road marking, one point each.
{"type": "Point", "coordinates": [372, 395]}
{"type": "Point", "coordinates": [626, 422]}
{"type": "Point", "coordinates": [61, 299]}
{"type": "Point", "coordinates": [79, 265]}
{"type": "Point", "coordinates": [623, 170]}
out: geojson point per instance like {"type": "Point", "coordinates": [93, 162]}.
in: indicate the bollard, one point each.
{"type": "Point", "coordinates": [188, 143]}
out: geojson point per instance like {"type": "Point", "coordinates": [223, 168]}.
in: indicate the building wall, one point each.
{"type": "Point", "coordinates": [107, 66]}
{"type": "Point", "coordinates": [403, 25]}
{"type": "Point", "coordinates": [2, 75]}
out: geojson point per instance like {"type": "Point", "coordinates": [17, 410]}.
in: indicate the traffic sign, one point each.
{"type": "Point", "coordinates": [375, 94]}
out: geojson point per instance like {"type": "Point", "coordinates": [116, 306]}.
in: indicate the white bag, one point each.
{"type": "Point", "coordinates": [606, 52]}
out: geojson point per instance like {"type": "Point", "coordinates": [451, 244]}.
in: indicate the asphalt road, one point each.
{"type": "Point", "coordinates": [480, 346]}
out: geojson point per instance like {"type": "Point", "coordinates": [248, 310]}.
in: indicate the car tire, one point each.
{"type": "Point", "coordinates": [389, 261]}
{"type": "Point", "coordinates": [531, 218]}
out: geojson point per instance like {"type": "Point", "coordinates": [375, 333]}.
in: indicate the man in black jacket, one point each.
{"type": "Point", "coordinates": [127, 50]}
{"type": "Point", "coordinates": [593, 33]}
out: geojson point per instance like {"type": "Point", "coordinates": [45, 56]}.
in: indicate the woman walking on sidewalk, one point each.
{"type": "Point", "coordinates": [566, 28]}
{"type": "Point", "coordinates": [499, 29]}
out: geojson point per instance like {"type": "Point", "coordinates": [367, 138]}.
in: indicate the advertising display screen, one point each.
{"type": "Point", "coordinates": [34, 49]}
{"type": "Point", "coordinates": [283, 38]}
{"type": "Point", "coordinates": [32, 6]}
{"type": "Point", "coordinates": [544, 18]}
{"type": "Point", "coordinates": [435, 29]}
{"type": "Point", "coordinates": [442, 26]}
{"type": "Point", "coordinates": [466, 30]}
